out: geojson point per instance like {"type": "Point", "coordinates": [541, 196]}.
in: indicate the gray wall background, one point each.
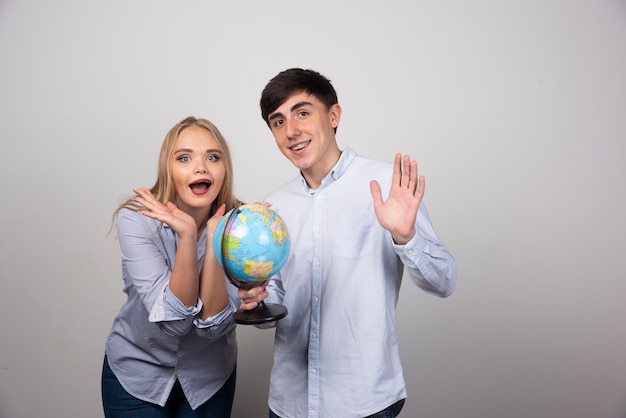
{"type": "Point", "coordinates": [515, 111]}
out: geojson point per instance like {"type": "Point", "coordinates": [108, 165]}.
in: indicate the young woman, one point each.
{"type": "Point", "coordinates": [172, 351]}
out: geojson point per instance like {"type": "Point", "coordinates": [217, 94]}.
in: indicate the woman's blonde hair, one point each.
{"type": "Point", "coordinates": [164, 190]}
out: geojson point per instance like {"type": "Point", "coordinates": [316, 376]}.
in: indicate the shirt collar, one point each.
{"type": "Point", "coordinates": [345, 159]}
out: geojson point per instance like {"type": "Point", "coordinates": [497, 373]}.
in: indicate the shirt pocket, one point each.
{"type": "Point", "coordinates": [353, 234]}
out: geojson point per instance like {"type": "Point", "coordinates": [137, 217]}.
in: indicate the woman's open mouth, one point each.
{"type": "Point", "coordinates": [200, 187]}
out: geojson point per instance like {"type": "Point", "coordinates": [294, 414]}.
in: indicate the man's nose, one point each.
{"type": "Point", "coordinates": [293, 129]}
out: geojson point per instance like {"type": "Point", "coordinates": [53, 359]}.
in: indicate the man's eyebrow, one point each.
{"type": "Point", "coordinates": [292, 109]}
{"type": "Point", "coordinates": [275, 116]}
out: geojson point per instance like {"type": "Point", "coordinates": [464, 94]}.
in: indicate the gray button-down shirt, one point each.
{"type": "Point", "coordinates": [155, 339]}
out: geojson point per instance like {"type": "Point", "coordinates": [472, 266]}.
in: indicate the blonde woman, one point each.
{"type": "Point", "coordinates": [172, 350]}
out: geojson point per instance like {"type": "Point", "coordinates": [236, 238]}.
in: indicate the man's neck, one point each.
{"type": "Point", "coordinates": [315, 175]}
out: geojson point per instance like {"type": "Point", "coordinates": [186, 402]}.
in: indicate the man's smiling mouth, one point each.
{"type": "Point", "coordinates": [299, 146]}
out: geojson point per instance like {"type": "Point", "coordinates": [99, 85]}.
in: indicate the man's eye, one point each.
{"type": "Point", "coordinates": [278, 122]}
{"type": "Point", "coordinates": [303, 113]}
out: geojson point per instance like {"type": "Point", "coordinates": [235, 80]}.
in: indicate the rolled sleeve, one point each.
{"type": "Point", "coordinates": [217, 319]}
{"type": "Point", "coordinates": [217, 325]}
{"type": "Point", "coordinates": [169, 308]}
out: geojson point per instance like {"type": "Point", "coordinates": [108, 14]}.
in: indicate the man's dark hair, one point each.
{"type": "Point", "coordinates": [296, 80]}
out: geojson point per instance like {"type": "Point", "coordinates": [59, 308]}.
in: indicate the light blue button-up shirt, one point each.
{"type": "Point", "coordinates": [155, 338]}
{"type": "Point", "coordinates": [336, 352]}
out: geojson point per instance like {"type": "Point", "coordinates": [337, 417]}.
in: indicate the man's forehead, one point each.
{"type": "Point", "coordinates": [296, 101]}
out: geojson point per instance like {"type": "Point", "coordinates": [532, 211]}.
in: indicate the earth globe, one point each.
{"type": "Point", "coordinates": [251, 244]}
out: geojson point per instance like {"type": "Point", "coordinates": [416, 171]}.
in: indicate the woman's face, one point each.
{"type": "Point", "coordinates": [197, 170]}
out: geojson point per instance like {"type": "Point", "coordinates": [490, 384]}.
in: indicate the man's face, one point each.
{"type": "Point", "coordinates": [304, 132]}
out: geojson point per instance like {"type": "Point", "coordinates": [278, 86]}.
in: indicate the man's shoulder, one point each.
{"type": "Point", "coordinates": [366, 160]}
{"type": "Point", "coordinates": [371, 166]}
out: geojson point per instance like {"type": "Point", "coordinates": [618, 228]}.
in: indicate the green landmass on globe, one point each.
{"type": "Point", "coordinates": [255, 243]}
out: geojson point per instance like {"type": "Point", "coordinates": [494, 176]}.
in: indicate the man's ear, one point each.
{"type": "Point", "coordinates": [335, 115]}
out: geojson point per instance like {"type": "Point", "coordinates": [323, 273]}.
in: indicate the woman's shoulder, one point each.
{"type": "Point", "coordinates": [128, 219]}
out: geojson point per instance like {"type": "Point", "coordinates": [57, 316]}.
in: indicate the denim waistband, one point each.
{"type": "Point", "coordinates": [395, 409]}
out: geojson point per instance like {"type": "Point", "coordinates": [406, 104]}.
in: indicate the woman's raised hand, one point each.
{"type": "Point", "coordinates": [181, 222]}
{"type": "Point", "coordinates": [212, 224]}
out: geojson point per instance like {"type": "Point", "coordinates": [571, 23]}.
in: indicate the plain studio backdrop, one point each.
{"type": "Point", "coordinates": [514, 110]}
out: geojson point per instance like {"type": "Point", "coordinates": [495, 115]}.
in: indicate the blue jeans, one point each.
{"type": "Point", "coordinates": [389, 412]}
{"type": "Point", "coordinates": [118, 403]}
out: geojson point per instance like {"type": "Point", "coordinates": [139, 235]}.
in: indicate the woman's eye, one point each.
{"type": "Point", "coordinates": [183, 159]}
{"type": "Point", "coordinates": [213, 158]}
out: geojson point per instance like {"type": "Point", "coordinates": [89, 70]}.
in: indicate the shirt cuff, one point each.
{"type": "Point", "coordinates": [217, 319]}
{"type": "Point", "coordinates": [168, 307]}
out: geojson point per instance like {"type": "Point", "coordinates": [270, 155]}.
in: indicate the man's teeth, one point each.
{"type": "Point", "coordinates": [298, 147]}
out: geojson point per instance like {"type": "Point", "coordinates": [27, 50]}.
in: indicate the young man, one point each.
{"type": "Point", "coordinates": [336, 352]}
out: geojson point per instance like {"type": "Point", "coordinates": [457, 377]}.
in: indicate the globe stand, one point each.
{"type": "Point", "coordinates": [264, 312]}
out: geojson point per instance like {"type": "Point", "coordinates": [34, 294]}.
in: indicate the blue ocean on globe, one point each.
{"type": "Point", "coordinates": [256, 243]}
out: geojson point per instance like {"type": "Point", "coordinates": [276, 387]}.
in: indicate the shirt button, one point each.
{"type": "Point", "coordinates": [316, 299]}
{"type": "Point", "coordinates": [313, 335]}
{"type": "Point", "coordinates": [313, 371]}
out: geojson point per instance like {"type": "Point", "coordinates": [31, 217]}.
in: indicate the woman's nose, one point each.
{"type": "Point", "coordinates": [201, 168]}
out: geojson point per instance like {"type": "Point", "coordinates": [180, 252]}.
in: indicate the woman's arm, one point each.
{"type": "Point", "coordinates": [184, 281]}
{"type": "Point", "coordinates": [213, 291]}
